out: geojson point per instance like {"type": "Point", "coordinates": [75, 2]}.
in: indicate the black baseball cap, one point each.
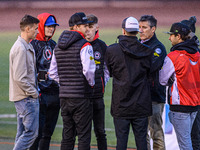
{"type": "Point", "coordinates": [77, 19]}
{"type": "Point", "coordinates": [179, 28]}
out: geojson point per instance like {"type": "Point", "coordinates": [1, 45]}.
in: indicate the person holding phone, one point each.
{"type": "Point", "coordinates": [48, 88]}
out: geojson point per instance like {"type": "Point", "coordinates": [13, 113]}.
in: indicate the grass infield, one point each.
{"type": "Point", "coordinates": [8, 125]}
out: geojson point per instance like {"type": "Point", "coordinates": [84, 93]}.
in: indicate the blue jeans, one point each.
{"type": "Point", "coordinates": [48, 116]}
{"type": "Point", "coordinates": [27, 123]}
{"type": "Point", "coordinates": [182, 123]}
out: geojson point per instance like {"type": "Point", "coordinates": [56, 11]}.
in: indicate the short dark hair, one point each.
{"type": "Point", "coordinates": [183, 37]}
{"type": "Point", "coordinates": [150, 18]}
{"type": "Point", "coordinates": [133, 33]}
{"type": "Point", "coordinates": [28, 20]}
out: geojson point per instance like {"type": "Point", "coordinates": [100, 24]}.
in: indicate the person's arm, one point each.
{"type": "Point", "coordinates": [108, 61]}
{"type": "Point", "coordinates": [88, 63]}
{"type": "Point", "coordinates": [158, 58]}
{"type": "Point", "coordinates": [20, 72]}
{"type": "Point", "coordinates": [166, 74]}
{"type": "Point", "coordinates": [53, 71]}
{"type": "Point", "coordinates": [106, 73]}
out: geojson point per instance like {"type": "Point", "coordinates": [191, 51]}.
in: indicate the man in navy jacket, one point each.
{"type": "Point", "coordinates": [147, 26]}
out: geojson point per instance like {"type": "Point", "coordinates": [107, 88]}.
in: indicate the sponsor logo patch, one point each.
{"type": "Point", "coordinates": [192, 62]}
{"type": "Point", "coordinates": [97, 55]}
{"type": "Point", "coordinates": [91, 58]}
{"type": "Point", "coordinates": [155, 54]}
{"type": "Point", "coordinates": [97, 62]}
{"type": "Point", "coordinates": [158, 51]}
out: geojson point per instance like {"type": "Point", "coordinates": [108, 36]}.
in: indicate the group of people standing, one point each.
{"type": "Point", "coordinates": [71, 75]}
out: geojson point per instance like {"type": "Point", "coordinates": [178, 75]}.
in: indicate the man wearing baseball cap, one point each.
{"type": "Point", "coordinates": [181, 73]}
{"type": "Point", "coordinates": [195, 133]}
{"type": "Point", "coordinates": [101, 78]}
{"type": "Point", "coordinates": [73, 66]}
{"type": "Point", "coordinates": [129, 64]}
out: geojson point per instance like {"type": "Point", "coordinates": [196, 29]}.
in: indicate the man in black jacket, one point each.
{"type": "Point", "coordinates": [101, 77]}
{"type": "Point", "coordinates": [129, 64]}
{"type": "Point", "coordinates": [147, 26]}
{"type": "Point", "coordinates": [74, 68]}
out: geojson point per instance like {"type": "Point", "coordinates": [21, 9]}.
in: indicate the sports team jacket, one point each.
{"type": "Point", "coordinates": [182, 67]}
{"type": "Point", "coordinates": [44, 51]}
{"type": "Point", "coordinates": [73, 65]}
{"type": "Point", "coordinates": [158, 92]}
{"type": "Point", "coordinates": [99, 48]}
{"type": "Point", "coordinates": [129, 64]}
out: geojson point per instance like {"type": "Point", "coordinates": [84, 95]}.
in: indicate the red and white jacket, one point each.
{"type": "Point", "coordinates": [184, 69]}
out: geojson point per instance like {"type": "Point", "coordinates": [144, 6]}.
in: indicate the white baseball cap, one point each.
{"type": "Point", "coordinates": [130, 24]}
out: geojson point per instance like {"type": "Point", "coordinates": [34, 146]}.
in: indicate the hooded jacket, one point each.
{"type": "Point", "coordinates": [158, 92]}
{"type": "Point", "coordinates": [44, 51]}
{"type": "Point", "coordinates": [129, 64]}
{"type": "Point", "coordinates": [75, 65]}
{"type": "Point", "coordinates": [182, 69]}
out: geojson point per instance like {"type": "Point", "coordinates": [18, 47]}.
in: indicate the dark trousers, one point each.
{"type": "Point", "coordinates": [195, 134]}
{"type": "Point", "coordinates": [77, 120]}
{"type": "Point", "coordinates": [48, 116]}
{"type": "Point", "coordinates": [99, 123]}
{"type": "Point", "coordinates": [139, 127]}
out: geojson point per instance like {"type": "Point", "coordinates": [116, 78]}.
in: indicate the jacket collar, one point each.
{"type": "Point", "coordinates": [28, 46]}
{"type": "Point", "coordinates": [149, 40]}
{"type": "Point", "coordinates": [79, 33]}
